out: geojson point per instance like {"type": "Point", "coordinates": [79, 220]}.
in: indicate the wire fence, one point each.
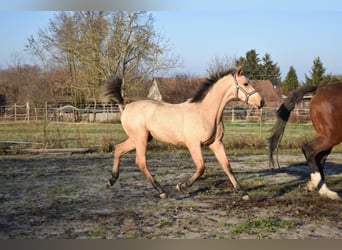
{"type": "Point", "coordinates": [110, 113]}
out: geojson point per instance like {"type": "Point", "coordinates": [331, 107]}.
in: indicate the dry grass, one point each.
{"type": "Point", "coordinates": [240, 138]}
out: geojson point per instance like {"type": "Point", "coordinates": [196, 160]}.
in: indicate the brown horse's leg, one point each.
{"type": "Point", "coordinates": [218, 149]}
{"type": "Point", "coordinates": [120, 150]}
{"type": "Point", "coordinates": [316, 153]}
{"type": "Point", "coordinates": [323, 157]}
{"type": "Point", "coordinates": [196, 155]}
{"type": "Point", "coordinates": [141, 163]}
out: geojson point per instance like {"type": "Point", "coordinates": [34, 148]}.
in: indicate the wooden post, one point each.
{"type": "Point", "coordinates": [46, 112]}
{"type": "Point", "coordinates": [15, 112]}
{"type": "Point", "coordinates": [45, 126]}
{"type": "Point", "coordinates": [260, 119]}
{"type": "Point", "coordinates": [28, 111]}
{"type": "Point", "coordinates": [233, 114]}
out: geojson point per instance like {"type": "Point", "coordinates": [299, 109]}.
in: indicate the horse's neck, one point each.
{"type": "Point", "coordinates": [217, 98]}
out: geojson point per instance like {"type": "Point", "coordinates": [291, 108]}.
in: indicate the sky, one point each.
{"type": "Point", "coordinates": [294, 33]}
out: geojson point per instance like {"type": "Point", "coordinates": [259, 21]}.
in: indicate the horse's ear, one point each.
{"type": "Point", "coordinates": [239, 71]}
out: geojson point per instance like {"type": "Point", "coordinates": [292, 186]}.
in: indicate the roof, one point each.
{"type": "Point", "coordinates": [180, 89]}
{"type": "Point", "coordinates": [271, 93]}
{"type": "Point", "coordinates": [174, 89]}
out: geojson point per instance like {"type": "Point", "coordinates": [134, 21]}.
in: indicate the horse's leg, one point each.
{"type": "Point", "coordinates": [119, 151]}
{"type": "Point", "coordinates": [141, 163]}
{"type": "Point", "coordinates": [218, 149]}
{"type": "Point", "coordinates": [324, 156]}
{"type": "Point", "coordinates": [196, 154]}
{"type": "Point", "coordinates": [316, 153]}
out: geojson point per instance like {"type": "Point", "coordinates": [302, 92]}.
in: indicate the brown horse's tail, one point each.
{"type": "Point", "coordinates": [111, 92]}
{"type": "Point", "coordinates": [283, 114]}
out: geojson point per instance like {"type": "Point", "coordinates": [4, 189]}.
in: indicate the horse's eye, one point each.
{"type": "Point", "coordinates": [245, 84]}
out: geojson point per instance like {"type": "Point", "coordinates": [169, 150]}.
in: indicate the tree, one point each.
{"type": "Point", "coordinates": [220, 64]}
{"type": "Point", "coordinates": [250, 64]}
{"type": "Point", "coordinates": [22, 83]}
{"type": "Point", "coordinates": [291, 81]}
{"type": "Point", "coordinates": [269, 70]}
{"type": "Point", "coordinates": [317, 73]}
{"type": "Point", "coordinates": [257, 69]}
{"type": "Point", "coordinates": [93, 45]}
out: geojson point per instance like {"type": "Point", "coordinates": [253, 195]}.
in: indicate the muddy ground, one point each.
{"type": "Point", "coordinates": [64, 196]}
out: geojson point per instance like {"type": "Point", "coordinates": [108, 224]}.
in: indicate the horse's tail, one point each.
{"type": "Point", "coordinates": [111, 92]}
{"type": "Point", "coordinates": [283, 114]}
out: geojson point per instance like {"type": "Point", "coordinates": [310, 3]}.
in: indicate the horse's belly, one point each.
{"type": "Point", "coordinates": [167, 135]}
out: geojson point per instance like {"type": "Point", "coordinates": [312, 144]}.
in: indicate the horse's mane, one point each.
{"type": "Point", "coordinates": [209, 82]}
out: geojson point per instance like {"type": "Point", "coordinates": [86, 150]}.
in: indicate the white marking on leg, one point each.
{"type": "Point", "coordinates": [314, 181]}
{"type": "Point", "coordinates": [326, 192]}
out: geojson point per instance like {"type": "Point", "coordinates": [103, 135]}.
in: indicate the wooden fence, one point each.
{"type": "Point", "coordinates": [110, 113]}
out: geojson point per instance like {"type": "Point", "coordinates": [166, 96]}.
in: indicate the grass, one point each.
{"type": "Point", "coordinates": [239, 138]}
{"type": "Point", "coordinates": [259, 226]}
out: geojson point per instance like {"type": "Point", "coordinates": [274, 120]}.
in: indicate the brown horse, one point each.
{"type": "Point", "coordinates": [326, 115]}
{"type": "Point", "coordinates": [192, 124]}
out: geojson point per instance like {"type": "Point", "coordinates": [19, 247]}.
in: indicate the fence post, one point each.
{"type": "Point", "coordinates": [28, 111]}
{"type": "Point", "coordinates": [233, 114]}
{"type": "Point", "coordinates": [15, 112]}
{"type": "Point", "coordinates": [260, 128]}
{"type": "Point", "coordinates": [46, 112]}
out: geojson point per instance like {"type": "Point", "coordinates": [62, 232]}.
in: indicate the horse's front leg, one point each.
{"type": "Point", "coordinates": [196, 155]}
{"type": "Point", "coordinates": [218, 149]}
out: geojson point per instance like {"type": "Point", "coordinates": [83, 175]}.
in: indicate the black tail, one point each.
{"type": "Point", "coordinates": [283, 114]}
{"type": "Point", "coordinates": [111, 92]}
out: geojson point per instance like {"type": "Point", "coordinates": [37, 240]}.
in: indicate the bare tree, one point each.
{"type": "Point", "coordinates": [94, 45]}
{"type": "Point", "coordinates": [219, 64]}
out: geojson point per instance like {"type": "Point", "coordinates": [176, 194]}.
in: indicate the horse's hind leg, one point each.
{"type": "Point", "coordinates": [316, 154]}
{"type": "Point", "coordinates": [141, 163]}
{"type": "Point", "coordinates": [119, 151]}
{"type": "Point", "coordinates": [324, 157]}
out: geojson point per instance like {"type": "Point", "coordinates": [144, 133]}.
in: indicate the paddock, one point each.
{"type": "Point", "coordinates": [64, 196]}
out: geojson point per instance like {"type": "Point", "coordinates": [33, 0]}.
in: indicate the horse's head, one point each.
{"type": "Point", "coordinates": [245, 90]}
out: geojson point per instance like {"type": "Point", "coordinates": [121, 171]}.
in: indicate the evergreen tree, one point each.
{"type": "Point", "coordinates": [250, 64]}
{"type": "Point", "coordinates": [269, 70]}
{"type": "Point", "coordinates": [257, 69]}
{"type": "Point", "coordinates": [290, 82]}
{"type": "Point", "coordinates": [317, 73]}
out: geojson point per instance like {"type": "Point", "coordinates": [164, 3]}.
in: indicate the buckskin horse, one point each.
{"type": "Point", "coordinates": [193, 123]}
{"type": "Point", "coordinates": [326, 115]}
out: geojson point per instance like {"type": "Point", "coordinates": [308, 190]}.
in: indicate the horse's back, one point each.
{"type": "Point", "coordinates": [326, 111]}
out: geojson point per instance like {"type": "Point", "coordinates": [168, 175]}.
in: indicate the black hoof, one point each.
{"type": "Point", "coordinates": [111, 181]}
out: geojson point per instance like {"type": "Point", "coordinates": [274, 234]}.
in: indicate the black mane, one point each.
{"type": "Point", "coordinates": [210, 81]}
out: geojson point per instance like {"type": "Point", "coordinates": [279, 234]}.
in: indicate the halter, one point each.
{"type": "Point", "coordinates": [243, 91]}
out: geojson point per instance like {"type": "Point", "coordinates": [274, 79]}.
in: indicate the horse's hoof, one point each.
{"type": "Point", "coordinates": [326, 192]}
{"type": "Point", "coordinates": [245, 197]}
{"type": "Point", "coordinates": [108, 184]}
{"type": "Point", "coordinates": [179, 187]}
{"type": "Point", "coordinates": [163, 195]}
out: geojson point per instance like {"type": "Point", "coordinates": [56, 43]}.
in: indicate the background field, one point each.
{"type": "Point", "coordinates": [240, 138]}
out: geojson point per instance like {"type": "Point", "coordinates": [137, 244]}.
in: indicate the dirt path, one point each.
{"type": "Point", "coordinates": [65, 197]}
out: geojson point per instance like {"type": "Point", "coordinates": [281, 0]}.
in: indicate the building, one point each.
{"type": "Point", "coordinates": [180, 89]}
{"type": "Point", "coordinates": [174, 89]}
